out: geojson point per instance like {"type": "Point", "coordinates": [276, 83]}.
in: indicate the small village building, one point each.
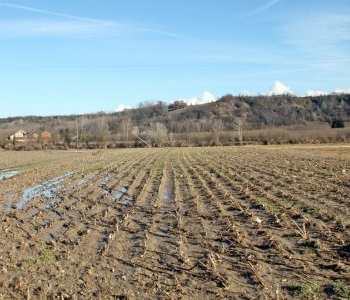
{"type": "Point", "coordinates": [19, 136]}
{"type": "Point", "coordinates": [46, 135]}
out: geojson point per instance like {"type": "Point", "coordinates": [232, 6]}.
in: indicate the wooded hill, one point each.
{"type": "Point", "coordinates": [230, 119]}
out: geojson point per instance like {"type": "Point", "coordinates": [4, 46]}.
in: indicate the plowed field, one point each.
{"type": "Point", "coordinates": [180, 223]}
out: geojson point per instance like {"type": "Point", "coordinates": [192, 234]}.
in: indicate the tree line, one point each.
{"type": "Point", "coordinates": [157, 123]}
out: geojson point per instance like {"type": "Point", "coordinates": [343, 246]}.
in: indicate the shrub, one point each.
{"type": "Point", "coordinates": [337, 123]}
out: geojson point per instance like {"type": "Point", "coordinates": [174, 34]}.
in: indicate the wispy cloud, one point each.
{"type": "Point", "coordinates": [46, 12]}
{"type": "Point", "coordinates": [72, 25]}
{"type": "Point", "coordinates": [264, 7]}
{"type": "Point", "coordinates": [65, 24]}
{"type": "Point", "coordinates": [29, 28]}
{"type": "Point", "coordinates": [165, 33]}
{"type": "Point", "coordinates": [323, 36]}
{"type": "Point", "coordinates": [260, 9]}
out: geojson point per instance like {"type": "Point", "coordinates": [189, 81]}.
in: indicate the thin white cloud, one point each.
{"type": "Point", "coordinates": [76, 25]}
{"type": "Point", "coordinates": [314, 93]}
{"type": "Point", "coordinates": [25, 28]}
{"type": "Point", "coordinates": [260, 9]}
{"type": "Point", "coordinates": [46, 12]}
{"type": "Point", "coordinates": [206, 97]}
{"type": "Point", "coordinates": [265, 7]}
{"type": "Point", "coordinates": [122, 107]}
{"type": "Point", "coordinates": [279, 88]}
{"type": "Point", "coordinates": [323, 36]}
{"type": "Point", "coordinates": [342, 91]}
{"type": "Point", "coordinates": [165, 33]}
{"type": "Point", "coordinates": [48, 27]}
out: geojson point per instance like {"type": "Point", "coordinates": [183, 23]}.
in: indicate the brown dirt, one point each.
{"type": "Point", "coordinates": [180, 223]}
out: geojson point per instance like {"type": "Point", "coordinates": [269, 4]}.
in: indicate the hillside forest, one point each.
{"type": "Point", "coordinates": [231, 120]}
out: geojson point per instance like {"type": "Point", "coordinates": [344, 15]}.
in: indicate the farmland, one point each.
{"type": "Point", "coordinates": [247, 222]}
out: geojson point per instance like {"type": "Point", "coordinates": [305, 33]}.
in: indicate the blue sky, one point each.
{"type": "Point", "coordinates": [85, 56]}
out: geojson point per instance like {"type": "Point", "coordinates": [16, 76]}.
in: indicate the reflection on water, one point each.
{"type": "Point", "coordinates": [47, 188]}
{"type": "Point", "coordinates": [9, 173]}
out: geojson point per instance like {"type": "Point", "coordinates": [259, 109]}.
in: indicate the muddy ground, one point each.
{"type": "Point", "coordinates": [180, 223]}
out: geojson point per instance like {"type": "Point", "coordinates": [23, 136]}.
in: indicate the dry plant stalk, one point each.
{"type": "Point", "coordinates": [213, 262]}
{"type": "Point", "coordinates": [257, 275]}
{"type": "Point", "coordinates": [302, 231]}
{"type": "Point", "coordinates": [325, 226]}
{"type": "Point", "coordinates": [144, 245]}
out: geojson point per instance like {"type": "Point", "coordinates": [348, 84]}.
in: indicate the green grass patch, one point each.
{"type": "Point", "coordinates": [312, 291]}
{"type": "Point", "coordinates": [338, 289]}
{"type": "Point", "coordinates": [45, 257]}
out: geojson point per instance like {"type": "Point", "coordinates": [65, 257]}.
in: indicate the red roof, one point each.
{"type": "Point", "coordinates": [46, 134]}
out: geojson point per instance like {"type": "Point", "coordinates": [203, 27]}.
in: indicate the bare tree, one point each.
{"type": "Point", "coordinates": [78, 129]}
{"type": "Point", "coordinates": [103, 130]}
{"type": "Point", "coordinates": [238, 125]}
{"type": "Point", "coordinates": [217, 126]}
{"type": "Point", "coordinates": [126, 125]}
{"type": "Point", "coordinates": [158, 133]}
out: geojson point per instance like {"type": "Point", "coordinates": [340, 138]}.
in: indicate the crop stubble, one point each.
{"type": "Point", "coordinates": [200, 223]}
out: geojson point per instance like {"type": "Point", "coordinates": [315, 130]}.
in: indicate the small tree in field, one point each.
{"type": "Point", "coordinates": [216, 127]}
{"type": "Point", "coordinates": [158, 133]}
{"type": "Point", "coordinates": [103, 130]}
{"type": "Point", "coordinates": [238, 124]}
{"type": "Point", "coordinates": [126, 126]}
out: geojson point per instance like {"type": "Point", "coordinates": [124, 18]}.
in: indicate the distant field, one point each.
{"type": "Point", "coordinates": [251, 222]}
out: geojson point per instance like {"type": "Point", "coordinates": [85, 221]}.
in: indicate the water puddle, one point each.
{"type": "Point", "coordinates": [52, 235]}
{"type": "Point", "coordinates": [128, 201]}
{"type": "Point", "coordinates": [47, 222]}
{"type": "Point", "coordinates": [9, 205]}
{"type": "Point", "coordinates": [9, 173]}
{"type": "Point", "coordinates": [104, 182]}
{"type": "Point", "coordinates": [106, 192]}
{"type": "Point", "coordinates": [225, 245]}
{"type": "Point", "coordinates": [47, 189]}
{"type": "Point", "coordinates": [53, 203]}
{"type": "Point", "coordinates": [82, 181]}
{"type": "Point", "coordinates": [161, 233]}
{"type": "Point", "coordinates": [122, 192]}
{"type": "Point", "coordinates": [167, 195]}
{"type": "Point", "coordinates": [118, 196]}
{"type": "Point", "coordinates": [103, 185]}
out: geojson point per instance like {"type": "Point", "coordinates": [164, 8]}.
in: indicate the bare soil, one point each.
{"type": "Point", "coordinates": [179, 223]}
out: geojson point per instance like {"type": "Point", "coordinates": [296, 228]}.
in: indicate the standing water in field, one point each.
{"type": "Point", "coordinates": [122, 192]}
{"type": "Point", "coordinates": [9, 173]}
{"type": "Point", "coordinates": [167, 194]}
{"type": "Point", "coordinates": [47, 189]}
